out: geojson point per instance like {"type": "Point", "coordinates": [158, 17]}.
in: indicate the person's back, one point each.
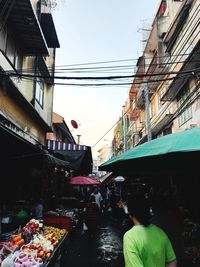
{"type": "Point", "coordinates": [145, 245]}
{"type": "Point", "coordinates": [21, 217]}
{"type": "Point", "coordinates": [39, 209]}
{"type": "Point", "coordinates": [91, 215]}
{"type": "Point", "coordinates": [150, 243]}
{"type": "Point", "coordinates": [98, 197]}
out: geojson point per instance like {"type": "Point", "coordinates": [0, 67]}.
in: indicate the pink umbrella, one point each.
{"type": "Point", "coordinates": [83, 180]}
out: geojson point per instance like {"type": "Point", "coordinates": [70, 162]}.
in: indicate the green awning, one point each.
{"type": "Point", "coordinates": [170, 151]}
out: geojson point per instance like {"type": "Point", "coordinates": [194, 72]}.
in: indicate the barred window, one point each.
{"type": "Point", "coordinates": [182, 100]}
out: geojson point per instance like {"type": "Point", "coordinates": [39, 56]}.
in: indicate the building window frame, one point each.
{"type": "Point", "coordinates": [39, 91]}
{"type": "Point", "coordinates": [182, 99]}
{"type": "Point", "coordinates": [11, 51]}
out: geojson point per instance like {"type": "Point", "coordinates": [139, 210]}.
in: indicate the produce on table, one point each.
{"type": "Point", "coordinates": [31, 246]}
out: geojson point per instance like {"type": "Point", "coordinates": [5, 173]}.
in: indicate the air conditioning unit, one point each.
{"type": "Point", "coordinates": [193, 125]}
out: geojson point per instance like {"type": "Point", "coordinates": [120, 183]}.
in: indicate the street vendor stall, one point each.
{"type": "Point", "coordinates": [170, 166]}
{"type": "Point", "coordinates": [33, 245]}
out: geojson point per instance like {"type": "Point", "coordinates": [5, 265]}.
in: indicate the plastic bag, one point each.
{"type": "Point", "coordinates": [85, 228]}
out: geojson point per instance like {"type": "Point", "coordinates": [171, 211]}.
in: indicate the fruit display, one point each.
{"type": "Point", "coordinates": [33, 225]}
{"type": "Point", "coordinates": [17, 240]}
{"type": "Point", "coordinates": [38, 248]}
{"type": "Point", "coordinates": [31, 246]}
{"type": "Point", "coordinates": [54, 232]}
{"type": "Point", "coordinates": [26, 260]}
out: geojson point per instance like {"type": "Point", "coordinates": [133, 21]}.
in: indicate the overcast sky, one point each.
{"type": "Point", "coordinates": [91, 31]}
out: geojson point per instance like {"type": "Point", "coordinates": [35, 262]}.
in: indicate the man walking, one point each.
{"type": "Point", "coordinates": [145, 244]}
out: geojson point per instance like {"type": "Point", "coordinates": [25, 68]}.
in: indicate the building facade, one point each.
{"type": "Point", "coordinates": [28, 41]}
{"type": "Point", "coordinates": [164, 96]}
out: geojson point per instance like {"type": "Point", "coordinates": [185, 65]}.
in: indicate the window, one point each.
{"type": "Point", "coordinates": [182, 100]}
{"type": "Point", "coordinates": [9, 46]}
{"type": "Point", "coordinates": [18, 60]}
{"type": "Point", "coordinates": [160, 95]}
{"type": "Point", "coordinates": [152, 109]}
{"type": "Point", "coordinates": [163, 8]}
{"type": "Point", "coordinates": [10, 49]}
{"type": "Point", "coordinates": [127, 122]}
{"type": "Point", "coordinates": [39, 91]}
{"type": "Point", "coordinates": [167, 130]}
{"type": "Point", "coordinates": [3, 39]}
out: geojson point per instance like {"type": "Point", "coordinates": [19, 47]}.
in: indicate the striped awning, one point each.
{"type": "Point", "coordinates": [62, 146]}
{"type": "Point", "coordinates": [79, 157]}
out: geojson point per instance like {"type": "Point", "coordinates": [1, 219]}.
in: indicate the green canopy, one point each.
{"type": "Point", "coordinates": [170, 151]}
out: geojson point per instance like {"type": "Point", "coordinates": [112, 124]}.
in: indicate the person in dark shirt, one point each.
{"type": "Point", "coordinates": [91, 216]}
{"type": "Point", "coordinates": [39, 209]}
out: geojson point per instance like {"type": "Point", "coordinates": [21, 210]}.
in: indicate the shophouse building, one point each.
{"type": "Point", "coordinates": [164, 95]}
{"type": "Point", "coordinates": [28, 41]}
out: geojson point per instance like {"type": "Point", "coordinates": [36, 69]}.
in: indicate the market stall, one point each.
{"type": "Point", "coordinates": [34, 244]}
{"type": "Point", "coordinates": [169, 165]}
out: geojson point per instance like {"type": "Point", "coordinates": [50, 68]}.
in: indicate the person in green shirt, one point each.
{"type": "Point", "coordinates": [145, 245]}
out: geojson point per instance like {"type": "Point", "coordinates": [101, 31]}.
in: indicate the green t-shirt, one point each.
{"type": "Point", "coordinates": [147, 247]}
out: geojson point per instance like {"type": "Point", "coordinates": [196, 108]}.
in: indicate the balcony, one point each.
{"type": "Point", "coordinates": [140, 101]}
{"type": "Point", "coordinates": [192, 62]}
{"type": "Point", "coordinates": [164, 122]}
{"type": "Point", "coordinates": [21, 16]}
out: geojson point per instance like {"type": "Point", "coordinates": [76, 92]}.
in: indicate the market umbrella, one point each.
{"type": "Point", "coordinates": [174, 152]}
{"type": "Point", "coordinates": [83, 180]}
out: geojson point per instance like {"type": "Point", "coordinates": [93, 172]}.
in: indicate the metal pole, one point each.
{"type": "Point", "coordinates": [124, 129]}
{"type": "Point", "coordinates": [148, 121]}
{"type": "Point", "coordinates": [78, 136]}
{"type": "Point", "coordinates": [124, 134]}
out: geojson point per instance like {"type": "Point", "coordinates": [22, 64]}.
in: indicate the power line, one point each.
{"type": "Point", "coordinates": [58, 69]}
{"type": "Point", "coordinates": [190, 94]}
{"type": "Point", "coordinates": [117, 82]}
{"type": "Point", "coordinates": [111, 127]}
{"type": "Point", "coordinates": [139, 75]}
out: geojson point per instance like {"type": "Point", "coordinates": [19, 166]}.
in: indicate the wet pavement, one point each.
{"type": "Point", "coordinates": [104, 250]}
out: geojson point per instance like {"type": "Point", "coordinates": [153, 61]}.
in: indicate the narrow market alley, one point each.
{"type": "Point", "coordinates": [105, 250]}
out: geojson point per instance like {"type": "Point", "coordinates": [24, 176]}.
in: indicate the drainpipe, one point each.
{"type": "Point", "coordinates": [148, 121]}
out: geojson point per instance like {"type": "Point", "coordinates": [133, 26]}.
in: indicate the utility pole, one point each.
{"type": "Point", "coordinates": [124, 129]}
{"type": "Point", "coordinates": [78, 136]}
{"type": "Point", "coordinates": [147, 115]}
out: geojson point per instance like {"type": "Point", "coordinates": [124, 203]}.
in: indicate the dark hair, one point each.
{"type": "Point", "coordinates": [138, 207]}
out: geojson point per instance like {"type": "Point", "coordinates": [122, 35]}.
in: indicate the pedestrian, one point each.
{"type": "Point", "coordinates": [91, 216]}
{"type": "Point", "coordinates": [39, 209]}
{"type": "Point", "coordinates": [113, 204]}
{"type": "Point", "coordinates": [98, 197]}
{"type": "Point", "coordinates": [107, 198]}
{"type": "Point", "coordinates": [145, 244]}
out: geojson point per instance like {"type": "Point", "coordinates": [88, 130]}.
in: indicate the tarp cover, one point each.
{"type": "Point", "coordinates": [177, 151]}
{"type": "Point", "coordinates": [79, 160]}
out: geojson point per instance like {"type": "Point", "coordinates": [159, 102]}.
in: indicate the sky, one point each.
{"type": "Point", "coordinates": [97, 31]}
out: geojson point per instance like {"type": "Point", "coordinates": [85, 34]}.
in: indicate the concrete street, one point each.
{"type": "Point", "coordinates": [105, 250]}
